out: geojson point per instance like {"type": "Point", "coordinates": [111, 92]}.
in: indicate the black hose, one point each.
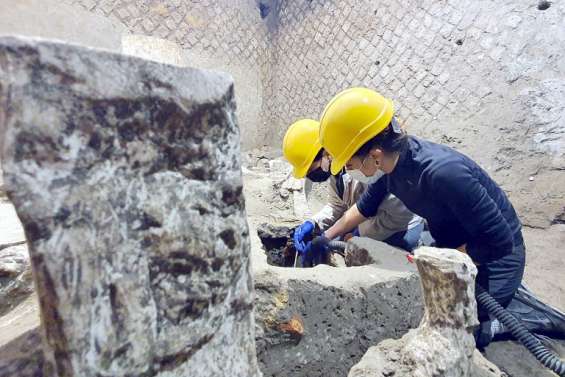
{"type": "Point", "coordinates": [520, 332]}
{"type": "Point", "coordinates": [337, 245]}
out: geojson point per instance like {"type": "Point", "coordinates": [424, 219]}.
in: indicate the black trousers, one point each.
{"type": "Point", "coordinates": [502, 277]}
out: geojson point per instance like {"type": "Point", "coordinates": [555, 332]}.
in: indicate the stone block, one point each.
{"type": "Point", "coordinates": [126, 176]}
{"type": "Point", "coordinates": [314, 322]}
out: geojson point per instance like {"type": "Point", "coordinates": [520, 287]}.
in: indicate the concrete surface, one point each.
{"type": "Point", "coordinates": [57, 20]}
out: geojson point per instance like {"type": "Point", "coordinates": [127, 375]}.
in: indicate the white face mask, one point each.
{"type": "Point", "coordinates": [359, 176]}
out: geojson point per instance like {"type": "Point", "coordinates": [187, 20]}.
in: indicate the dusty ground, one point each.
{"type": "Point", "coordinates": [270, 199]}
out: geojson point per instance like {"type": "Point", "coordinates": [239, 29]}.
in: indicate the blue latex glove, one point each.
{"type": "Point", "coordinates": [301, 232]}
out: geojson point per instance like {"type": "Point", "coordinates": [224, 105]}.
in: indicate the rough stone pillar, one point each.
{"type": "Point", "coordinates": [443, 344]}
{"type": "Point", "coordinates": [126, 176]}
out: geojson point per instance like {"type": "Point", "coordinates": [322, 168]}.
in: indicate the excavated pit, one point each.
{"type": "Point", "coordinates": [278, 244]}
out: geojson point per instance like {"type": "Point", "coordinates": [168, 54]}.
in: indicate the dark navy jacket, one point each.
{"type": "Point", "coordinates": [461, 203]}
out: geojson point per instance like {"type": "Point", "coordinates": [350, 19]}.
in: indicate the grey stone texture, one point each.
{"type": "Point", "coordinates": [227, 35]}
{"type": "Point", "coordinates": [126, 176]}
{"type": "Point", "coordinates": [16, 281]}
{"type": "Point", "coordinates": [443, 344]}
{"type": "Point", "coordinates": [314, 322]}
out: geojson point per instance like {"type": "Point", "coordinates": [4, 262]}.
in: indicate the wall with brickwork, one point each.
{"type": "Point", "coordinates": [486, 77]}
{"type": "Point", "coordinates": [227, 35]}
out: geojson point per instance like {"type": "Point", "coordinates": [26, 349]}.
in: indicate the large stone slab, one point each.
{"type": "Point", "coordinates": [314, 322]}
{"type": "Point", "coordinates": [126, 176]}
{"type": "Point", "coordinates": [443, 344]}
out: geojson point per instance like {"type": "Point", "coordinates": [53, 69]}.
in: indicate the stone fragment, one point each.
{"type": "Point", "coordinates": [277, 243]}
{"type": "Point", "coordinates": [126, 176]}
{"type": "Point", "coordinates": [443, 344]}
{"type": "Point", "coordinates": [16, 281]}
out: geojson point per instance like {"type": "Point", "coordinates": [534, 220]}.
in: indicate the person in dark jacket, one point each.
{"type": "Point", "coordinates": [464, 208]}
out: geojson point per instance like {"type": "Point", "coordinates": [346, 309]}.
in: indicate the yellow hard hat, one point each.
{"type": "Point", "coordinates": [301, 145]}
{"type": "Point", "coordinates": [353, 117]}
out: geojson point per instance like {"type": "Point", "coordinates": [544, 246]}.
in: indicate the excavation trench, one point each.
{"type": "Point", "coordinates": [278, 244]}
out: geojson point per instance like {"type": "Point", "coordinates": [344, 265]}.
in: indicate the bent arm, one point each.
{"type": "Point", "coordinates": [333, 210]}
{"type": "Point", "coordinates": [349, 221]}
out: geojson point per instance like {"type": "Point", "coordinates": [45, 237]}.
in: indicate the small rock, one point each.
{"type": "Point", "coordinates": [284, 193]}
{"type": "Point", "coordinates": [294, 327]}
{"type": "Point", "coordinates": [393, 356]}
{"type": "Point", "coordinates": [16, 279]}
{"type": "Point", "coordinates": [279, 166]}
{"type": "Point", "coordinates": [262, 163]}
{"type": "Point", "coordinates": [531, 178]}
{"type": "Point", "coordinates": [292, 184]}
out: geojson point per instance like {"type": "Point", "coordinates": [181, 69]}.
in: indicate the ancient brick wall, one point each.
{"type": "Point", "coordinates": [486, 77]}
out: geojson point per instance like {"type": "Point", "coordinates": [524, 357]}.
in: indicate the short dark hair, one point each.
{"type": "Point", "coordinates": [388, 140]}
{"type": "Point", "coordinates": [319, 155]}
